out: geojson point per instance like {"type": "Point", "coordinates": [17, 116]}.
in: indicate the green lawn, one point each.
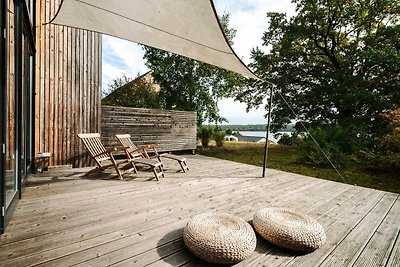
{"type": "Point", "coordinates": [286, 159]}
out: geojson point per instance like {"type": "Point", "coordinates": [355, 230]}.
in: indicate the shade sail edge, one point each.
{"type": "Point", "coordinates": [200, 38]}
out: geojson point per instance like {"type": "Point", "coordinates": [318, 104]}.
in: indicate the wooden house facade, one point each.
{"type": "Point", "coordinates": [49, 91]}
{"type": "Point", "coordinates": [68, 81]}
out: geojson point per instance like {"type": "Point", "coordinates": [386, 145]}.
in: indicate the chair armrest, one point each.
{"type": "Point", "coordinates": [153, 146]}
{"type": "Point", "coordinates": [142, 148]}
{"type": "Point", "coordinates": [110, 151]}
{"type": "Point", "coordinates": [117, 149]}
{"type": "Point", "coordinates": [102, 153]}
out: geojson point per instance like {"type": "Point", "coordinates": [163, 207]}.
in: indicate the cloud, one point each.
{"type": "Point", "coordinates": [236, 113]}
{"type": "Point", "coordinates": [121, 57]}
{"type": "Point", "coordinates": [248, 17]}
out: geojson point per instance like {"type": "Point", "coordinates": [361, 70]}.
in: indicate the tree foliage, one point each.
{"type": "Point", "coordinates": [190, 85]}
{"type": "Point", "coordinates": [385, 155]}
{"type": "Point", "coordinates": [336, 62]}
{"type": "Point", "coordinates": [392, 139]}
{"type": "Point", "coordinates": [117, 83]}
{"type": "Point", "coordinates": [138, 93]}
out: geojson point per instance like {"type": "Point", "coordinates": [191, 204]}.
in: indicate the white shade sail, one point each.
{"type": "Point", "coordinates": [186, 27]}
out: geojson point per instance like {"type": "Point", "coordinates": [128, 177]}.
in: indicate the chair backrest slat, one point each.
{"type": "Point", "coordinates": [93, 144]}
{"type": "Point", "coordinates": [99, 148]}
{"type": "Point", "coordinates": [125, 140]}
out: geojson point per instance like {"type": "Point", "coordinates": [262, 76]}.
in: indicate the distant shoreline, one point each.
{"type": "Point", "coordinates": [271, 136]}
{"type": "Point", "coordinates": [252, 127]}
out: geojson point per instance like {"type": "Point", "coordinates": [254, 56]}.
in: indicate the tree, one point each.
{"type": "Point", "coordinates": [336, 62]}
{"type": "Point", "coordinates": [117, 83]}
{"type": "Point", "coordinates": [138, 93]}
{"type": "Point", "coordinates": [190, 85]}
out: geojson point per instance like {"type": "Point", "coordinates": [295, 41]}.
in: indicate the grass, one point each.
{"type": "Point", "coordinates": [286, 158]}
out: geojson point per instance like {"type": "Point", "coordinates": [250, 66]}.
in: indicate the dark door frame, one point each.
{"type": "Point", "coordinates": [22, 24]}
{"type": "Point", "coordinates": [3, 86]}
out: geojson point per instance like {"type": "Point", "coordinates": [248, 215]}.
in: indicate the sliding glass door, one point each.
{"type": "Point", "coordinates": [17, 51]}
{"type": "Point", "coordinates": [3, 86]}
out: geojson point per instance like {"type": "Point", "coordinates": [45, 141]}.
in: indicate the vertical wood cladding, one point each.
{"type": "Point", "coordinates": [172, 130]}
{"type": "Point", "coordinates": [68, 79]}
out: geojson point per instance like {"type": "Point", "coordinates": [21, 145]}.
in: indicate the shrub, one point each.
{"type": "Point", "coordinates": [219, 138]}
{"type": "Point", "coordinates": [391, 141]}
{"type": "Point", "coordinates": [336, 142]}
{"type": "Point", "coordinates": [289, 140]}
{"type": "Point", "coordinates": [383, 161]}
{"type": "Point", "coordinates": [384, 156]}
{"type": "Point", "coordinates": [284, 140]}
{"type": "Point", "coordinates": [204, 133]}
{"type": "Point", "coordinates": [236, 133]}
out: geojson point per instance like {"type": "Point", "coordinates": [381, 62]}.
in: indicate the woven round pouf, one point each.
{"type": "Point", "coordinates": [219, 238]}
{"type": "Point", "coordinates": [289, 229]}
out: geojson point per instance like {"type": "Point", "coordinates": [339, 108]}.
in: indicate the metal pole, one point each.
{"type": "Point", "coordinates": [267, 134]}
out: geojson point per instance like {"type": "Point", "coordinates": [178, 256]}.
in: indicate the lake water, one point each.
{"type": "Point", "coordinates": [271, 136]}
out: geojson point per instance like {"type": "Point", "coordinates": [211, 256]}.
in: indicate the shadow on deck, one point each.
{"type": "Point", "coordinates": [65, 219]}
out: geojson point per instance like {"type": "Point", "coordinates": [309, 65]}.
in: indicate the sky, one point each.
{"type": "Point", "coordinates": [249, 19]}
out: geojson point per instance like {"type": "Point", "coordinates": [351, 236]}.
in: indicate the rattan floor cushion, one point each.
{"type": "Point", "coordinates": [289, 229]}
{"type": "Point", "coordinates": [219, 238]}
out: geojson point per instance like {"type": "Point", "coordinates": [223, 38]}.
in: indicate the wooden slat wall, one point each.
{"type": "Point", "coordinates": [68, 79]}
{"type": "Point", "coordinates": [172, 130]}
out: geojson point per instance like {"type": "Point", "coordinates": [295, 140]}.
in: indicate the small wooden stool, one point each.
{"type": "Point", "coordinates": [42, 157]}
{"type": "Point", "coordinates": [181, 160]}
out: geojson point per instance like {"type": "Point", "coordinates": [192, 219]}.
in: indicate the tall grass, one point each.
{"type": "Point", "coordinates": [287, 158]}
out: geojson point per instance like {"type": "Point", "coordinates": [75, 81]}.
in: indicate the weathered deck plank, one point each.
{"type": "Point", "coordinates": [338, 223]}
{"type": "Point", "coordinates": [381, 245]}
{"type": "Point", "coordinates": [350, 247]}
{"type": "Point", "coordinates": [65, 219]}
{"type": "Point", "coordinates": [327, 213]}
{"type": "Point", "coordinates": [394, 258]}
{"type": "Point", "coordinates": [233, 207]}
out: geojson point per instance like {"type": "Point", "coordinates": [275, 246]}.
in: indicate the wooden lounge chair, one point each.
{"type": "Point", "coordinates": [125, 140]}
{"type": "Point", "coordinates": [105, 158]}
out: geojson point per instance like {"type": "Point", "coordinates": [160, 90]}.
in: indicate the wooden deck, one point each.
{"type": "Point", "coordinates": [65, 219]}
